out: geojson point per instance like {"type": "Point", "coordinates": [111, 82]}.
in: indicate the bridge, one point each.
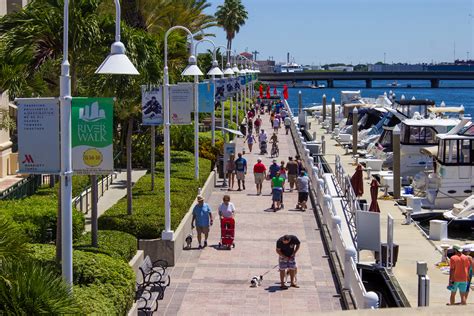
{"type": "Point", "coordinates": [330, 76]}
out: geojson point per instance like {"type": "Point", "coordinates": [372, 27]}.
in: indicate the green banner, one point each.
{"type": "Point", "coordinates": [92, 135]}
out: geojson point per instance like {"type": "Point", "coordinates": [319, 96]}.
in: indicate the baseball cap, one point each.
{"type": "Point", "coordinates": [457, 247]}
{"type": "Point", "coordinates": [259, 160]}
{"type": "Point", "coordinates": [200, 198]}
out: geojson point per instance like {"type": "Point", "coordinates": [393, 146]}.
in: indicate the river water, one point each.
{"type": "Point", "coordinates": [453, 93]}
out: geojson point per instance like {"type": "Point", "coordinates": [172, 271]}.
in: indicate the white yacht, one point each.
{"type": "Point", "coordinates": [291, 67]}
{"type": "Point", "coordinates": [461, 217]}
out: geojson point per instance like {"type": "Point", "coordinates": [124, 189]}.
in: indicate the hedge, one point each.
{"type": "Point", "coordinates": [148, 217]}
{"type": "Point", "coordinates": [113, 243]}
{"type": "Point", "coordinates": [102, 284]}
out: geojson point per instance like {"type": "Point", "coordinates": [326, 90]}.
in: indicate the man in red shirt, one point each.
{"type": "Point", "coordinates": [259, 172]}
{"type": "Point", "coordinates": [459, 265]}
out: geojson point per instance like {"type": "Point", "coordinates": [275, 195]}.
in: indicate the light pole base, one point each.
{"type": "Point", "coordinates": [167, 235]}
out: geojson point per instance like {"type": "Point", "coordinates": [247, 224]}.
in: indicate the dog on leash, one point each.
{"type": "Point", "coordinates": [256, 281]}
{"type": "Point", "coordinates": [189, 240]}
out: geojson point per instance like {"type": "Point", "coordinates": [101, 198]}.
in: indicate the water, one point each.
{"type": "Point", "coordinates": [453, 93]}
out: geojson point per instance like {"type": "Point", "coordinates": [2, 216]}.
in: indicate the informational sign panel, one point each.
{"type": "Point", "coordinates": [206, 97]}
{"type": "Point", "coordinates": [181, 103]}
{"type": "Point", "coordinates": [152, 105]}
{"type": "Point", "coordinates": [92, 135]}
{"type": "Point", "coordinates": [38, 136]}
{"type": "Point", "coordinates": [229, 152]}
{"type": "Point", "coordinates": [368, 230]}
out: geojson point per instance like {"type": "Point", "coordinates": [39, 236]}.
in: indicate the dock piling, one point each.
{"type": "Point", "coordinates": [324, 107]}
{"type": "Point", "coordinates": [333, 114]}
{"type": "Point", "coordinates": [396, 162]}
{"type": "Point", "coordinates": [355, 130]}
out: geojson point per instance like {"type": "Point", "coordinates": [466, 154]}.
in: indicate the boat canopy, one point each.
{"type": "Point", "coordinates": [431, 151]}
{"type": "Point", "coordinates": [450, 109]}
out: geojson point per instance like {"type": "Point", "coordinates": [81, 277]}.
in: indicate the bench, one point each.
{"type": "Point", "coordinates": [155, 279]}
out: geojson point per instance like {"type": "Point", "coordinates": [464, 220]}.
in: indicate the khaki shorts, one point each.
{"type": "Point", "coordinates": [202, 229]}
{"type": "Point", "coordinates": [240, 175]}
{"type": "Point", "coordinates": [259, 178]}
{"type": "Point", "coordinates": [292, 178]}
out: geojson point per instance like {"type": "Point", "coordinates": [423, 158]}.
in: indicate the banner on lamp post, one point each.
{"type": "Point", "coordinates": [229, 88]}
{"type": "Point", "coordinates": [152, 105]}
{"type": "Point", "coordinates": [220, 89]}
{"type": "Point", "coordinates": [236, 84]}
{"type": "Point", "coordinates": [206, 100]}
{"type": "Point", "coordinates": [92, 135]}
{"type": "Point", "coordinates": [38, 135]}
{"type": "Point", "coordinates": [243, 81]}
{"type": "Point", "coordinates": [181, 103]}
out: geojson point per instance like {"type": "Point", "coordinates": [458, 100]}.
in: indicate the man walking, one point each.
{"type": "Point", "coordinates": [259, 172]}
{"type": "Point", "coordinates": [292, 172]}
{"type": "Point", "coordinates": [202, 219]}
{"type": "Point", "coordinates": [241, 171]}
{"type": "Point", "coordinates": [286, 247]}
{"type": "Point", "coordinates": [459, 265]}
{"type": "Point", "coordinates": [302, 184]}
{"type": "Point", "coordinates": [287, 122]}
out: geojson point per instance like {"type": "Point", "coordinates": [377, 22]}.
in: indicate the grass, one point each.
{"type": "Point", "coordinates": [147, 220]}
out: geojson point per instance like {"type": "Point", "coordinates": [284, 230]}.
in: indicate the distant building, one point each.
{"type": "Point", "coordinates": [457, 66]}
{"type": "Point", "coordinates": [266, 65]}
{"type": "Point", "coordinates": [247, 55]}
{"type": "Point", "coordinates": [341, 68]}
{"type": "Point", "coordinates": [396, 67]}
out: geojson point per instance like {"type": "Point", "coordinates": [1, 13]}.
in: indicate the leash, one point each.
{"type": "Point", "coordinates": [268, 271]}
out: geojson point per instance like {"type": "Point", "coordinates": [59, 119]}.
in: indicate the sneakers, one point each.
{"type": "Point", "coordinates": [205, 244]}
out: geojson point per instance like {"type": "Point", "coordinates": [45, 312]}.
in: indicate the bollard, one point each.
{"type": "Point", "coordinates": [409, 210]}
{"type": "Point", "coordinates": [349, 253]}
{"type": "Point", "coordinates": [324, 107]}
{"type": "Point", "coordinates": [423, 284]}
{"type": "Point", "coordinates": [336, 223]}
{"type": "Point", "coordinates": [355, 129]}
{"type": "Point", "coordinates": [444, 256]}
{"type": "Point", "coordinates": [323, 144]}
{"type": "Point", "coordinates": [369, 171]}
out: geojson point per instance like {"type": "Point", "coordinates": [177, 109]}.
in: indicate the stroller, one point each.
{"type": "Point", "coordinates": [227, 233]}
{"type": "Point", "coordinates": [263, 148]}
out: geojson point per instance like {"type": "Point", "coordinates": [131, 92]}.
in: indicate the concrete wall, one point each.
{"type": "Point", "coordinates": [170, 250]}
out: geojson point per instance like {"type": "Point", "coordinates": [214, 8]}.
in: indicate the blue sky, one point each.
{"type": "Point", "coordinates": [356, 31]}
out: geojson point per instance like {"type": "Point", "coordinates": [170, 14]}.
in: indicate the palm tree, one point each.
{"type": "Point", "coordinates": [231, 16]}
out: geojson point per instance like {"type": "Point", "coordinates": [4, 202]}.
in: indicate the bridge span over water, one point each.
{"type": "Point", "coordinates": [330, 76]}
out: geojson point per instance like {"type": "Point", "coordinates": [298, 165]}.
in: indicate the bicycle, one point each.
{"type": "Point", "coordinates": [275, 150]}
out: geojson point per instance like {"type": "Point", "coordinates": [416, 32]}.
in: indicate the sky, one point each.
{"type": "Point", "coordinates": [355, 31]}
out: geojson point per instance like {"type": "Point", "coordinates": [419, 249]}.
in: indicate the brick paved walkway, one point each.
{"type": "Point", "coordinates": [217, 282]}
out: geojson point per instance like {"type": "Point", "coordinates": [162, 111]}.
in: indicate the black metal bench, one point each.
{"type": "Point", "coordinates": [151, 289]}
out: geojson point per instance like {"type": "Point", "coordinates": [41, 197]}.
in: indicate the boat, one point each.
{"type": "Point", "coordinates": [291, 67]}
{"type": "Point", "coordinates": [461, 216]}
{"type": "Point", "coordinates": [393, 84]}
{"type": "Point", "coordinates": [451, 178]}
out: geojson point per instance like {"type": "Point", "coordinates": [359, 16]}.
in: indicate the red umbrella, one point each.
{"type": "Point", "coordinates": [260, 89]}
{"type": "Point", "coordinates": [268, 92]}
{"type": "Point", "coordinates": [374, 192]}
{"type": "Point", "coordinates": [275, 91]}
{"type": "Point", "coordinates": [357, 181]}
{"type": "Point", "coordinates": [285, 92]}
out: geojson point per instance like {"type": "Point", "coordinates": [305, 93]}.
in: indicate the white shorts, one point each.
{"type": "Point", "coordinates": [240, 175]}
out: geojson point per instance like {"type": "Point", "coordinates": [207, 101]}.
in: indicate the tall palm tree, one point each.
{"type": "Point", "coordinates": [231, 16]}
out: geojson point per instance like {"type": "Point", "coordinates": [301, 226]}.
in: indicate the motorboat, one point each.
{"type": "Point", "coordinates": [451, 179]}
{"type": "Point", "coordinates": [291, 67]}
{"type": "Point", "coordinates": [393, 84]}
{"type": "Point", "coordinates": [461, 216]}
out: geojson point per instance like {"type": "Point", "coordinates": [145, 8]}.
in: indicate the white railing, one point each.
{"type": "Point", "coordinates": [345, 252]}
{"type": "Point", "coordinates": [83, 202]}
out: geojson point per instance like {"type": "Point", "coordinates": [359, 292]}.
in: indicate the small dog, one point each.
{"type": "Point", "coordinates": [256, 281]}
{"type": "Point", "coordinates": [189, 240]}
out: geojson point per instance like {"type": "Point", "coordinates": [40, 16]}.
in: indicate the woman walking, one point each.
{"type": "Point", "coordinates": [227, 208]}
{"type": "Point", "coordinates": [250, 140]}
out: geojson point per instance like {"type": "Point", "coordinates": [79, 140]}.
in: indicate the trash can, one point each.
{"type": "Point", "coordinates": [243, 129]}
{"type": "Point", "coordinates": [384, 247]}
{"type": "Point", "coordinates": [220, 166]}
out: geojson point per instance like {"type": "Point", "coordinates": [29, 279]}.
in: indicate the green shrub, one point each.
{"type": "Point", "coordinates": [147, 220]}
{"type": "Point", "coordinates": [116, 244]}
{"type": "Point", "coordinates": [102, 284]}
{"type": "Point", "coordinates": [38, 213]}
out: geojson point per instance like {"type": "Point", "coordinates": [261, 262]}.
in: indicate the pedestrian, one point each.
{"type": "Point", "coordinates": [259, 172]}
{"type": "Point", "coordinates": [258, 123]}
{"type": "Point", "coordinates": [292, 172]}
{"type": "Point", "coordinates": [287, 122]}
{"type": "Point", "coordinates": [240, 170]}
{"type": "Point", "coordinates": [272, 117]}
{"type": "Point", "coordinates": [276, 124]}
{"type": "Point", "coordinates": [273, 169]}
{"type": "Point", "coordinates": [302, 184]}
{"type": "Point", "coordinates": [286, 247]}
{"type": "Point", "coordinates": [202, 220]}
{"type": "Point", "coordinates": [262, 139]}
{"type": "Point", "coordinates": [249, 126]}
{"type": "Point", "coordinates": [299, 163]}
{"type": "Point", "coordinates": [283, 173]}
{"type": "Point", "coordinates": [459, 265]}
{"type": "Point", "coordinates": [230, 168]}
{"type": "Point", "coordinates": [250, 140]}
{"type": "Point", "coordinates": [468, 251]}
{"type": "Point", "coordinates": [277, 192]}
{"type": "Point", "coordinates": [227, 208]}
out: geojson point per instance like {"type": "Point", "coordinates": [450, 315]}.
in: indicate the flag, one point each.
{"type": "Point", "coordinates": [260, 89]}
{"type": "Point", "coordinates": [268, 92]}
{"type": "Point", "coordinates": [285, 92]}
{"type": "Point", "coordinates": [275, 91]}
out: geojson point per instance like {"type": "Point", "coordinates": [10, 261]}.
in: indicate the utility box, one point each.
{"type": "Point", "coordinates": [438, 229]}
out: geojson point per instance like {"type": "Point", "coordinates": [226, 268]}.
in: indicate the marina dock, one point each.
{"type": "Point", "coordinates": [413, 244]}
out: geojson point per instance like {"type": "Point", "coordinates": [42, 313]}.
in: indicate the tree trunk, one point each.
{"type": "Point", "coordinates": [129, 166]}
{"type": "Point", "coordinates": [132, 15]}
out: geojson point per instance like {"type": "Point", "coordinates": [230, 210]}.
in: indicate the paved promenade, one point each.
{"type": "Point", "coordinates": [217, 282]}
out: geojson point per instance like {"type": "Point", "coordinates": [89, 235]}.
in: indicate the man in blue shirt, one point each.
{"type": "Point", "coordinates": [202, 219]}
{"type": "Point", "coordinates": [240, 170]}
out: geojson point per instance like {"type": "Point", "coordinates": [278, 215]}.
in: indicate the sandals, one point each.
{"type": "Point", "coordinates": [283, 287]}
